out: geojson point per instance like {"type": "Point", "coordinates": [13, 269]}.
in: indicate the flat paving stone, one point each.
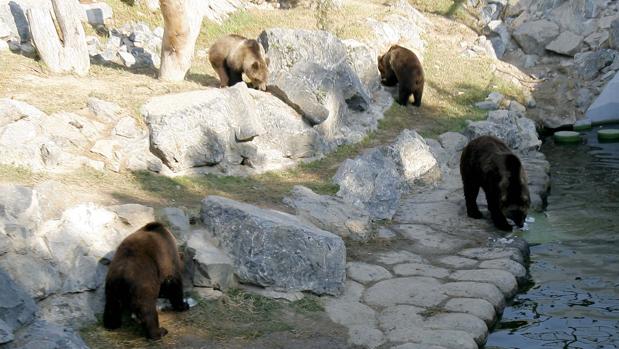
{"type": "Point", "coordinates": [486, 253]}
{"type": "Point", "coordinates": [508, 265]}
{"type": "Point", "coordinates": [429, 240]}
{"type": "Point", "coordinates": [444, 214]}
{"type": "Point", "coordinates": [396, 257]}
{"type": "Point", "coordinates": [418, 269]}
{"type": "Point", "coordinates": [504, 280]}
{"type": "Point", "coordinates": [352, 291]}
{"type": "Point", "coordinates": [365, 336]}
{"type": "Point", "coordinates": [449, 339]}
{"type": "Point", "coordinates": [459, 321]}
{"type": "Point", "coordinates": [457, 262]}
{"type": "Point", "coordinates": [366, 273]}
{"type": "Point", "coordinates": [416, 346]}
{"type": "Point", "coordinates": [386, 233]}
{"type": "Point", "coordinates": [416, 290]}
{"type": "Point", "coordinates": [349, 313]}
{"type": "Point", "coordinates": [482, 290]}
{"type": "Point", "coordinates": [480, 308]}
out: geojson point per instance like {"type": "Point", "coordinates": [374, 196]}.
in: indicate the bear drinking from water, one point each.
{"type": "Point", "coordinates": [401, 66]}
{"type": "Point", "coordinates": [146, 265]}
{"type": "Point", "coordinates": [488, 163]}
{"type": "Point", "coordinates": [233, 55]}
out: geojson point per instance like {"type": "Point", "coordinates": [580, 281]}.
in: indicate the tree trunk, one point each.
{"type": "Point", "coordinates": [65, 53]}
{"type": "Point", "coordinates": [182, 20]}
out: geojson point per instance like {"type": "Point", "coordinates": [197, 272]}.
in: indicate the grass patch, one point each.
{"type": "Point", "coordinates": [237, 315]}
{"type": "Point", "coordinates": [307, 304]}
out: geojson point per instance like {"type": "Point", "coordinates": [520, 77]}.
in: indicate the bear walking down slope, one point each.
{"type": "Point", "coordinates": [488, 163]}
{"type": "Point", "coordinates": [233, 55]}
{"type": "Point", "coordinates": [145, 266]}
{"type": "Point", "coordinates": [401, 66]}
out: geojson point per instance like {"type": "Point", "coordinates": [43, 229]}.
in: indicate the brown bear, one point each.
{"type": "Point", "coordinates": [146, 265]}
{"type": "Point", "coordinates": [233, 55]}
{"type": "Point", "coordinates": [488, 163]}
{"type": "Point", "coordinates": [401, 66]}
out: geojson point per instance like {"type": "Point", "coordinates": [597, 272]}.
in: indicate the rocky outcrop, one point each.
{"type": "Point", "coordinates": [331, 213]}
{"type": "Point", "coordinates": [235, 130]}
{"type": "Point", "coordinates": [374, 180]}
{"type": "Point", "coordinates": [274, 249]}
{"type": "Point", "coordinates": [534, 36]}
{"type": "Point", "coordinates": [518, 133]}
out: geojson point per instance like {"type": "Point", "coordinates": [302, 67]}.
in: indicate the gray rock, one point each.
{"type": "Point", "coordinates": [36, 276]}
{"type": "Point", "coordinates": [486, 253]}
{"type": "Point", "coordinates": [404, 25]}
{"type": "Point", "coordinates": [107, 111]}
{"type": "Point", "coordinates": [365, 336]}
{"type": "Point", "coordinates": [453, 141]}
{"type": "Point", "coordinates": [350, 313]}
{"type": "Point", "coordinates": [486, 291]}
{"type": "Point", "coordinates": [460, 322]}
{"type": "Point", "coordinates": [417, 290]}
{"type": "Point", "coordinates": [519, 133]}
{"type": "Point", "coordinates": [366, 273]}
{"type": "Point", "coordinates": [97, 13]}
{"type": "Point", "coordinates": [17, 308]}
{"type": "Point", "coordinates": [42, 334]}
{"type": "Point", "coordinates": [458, 262]}
{"type": "Point", "coordinates": [589, 64]}
{"type": "Point", "coordinates": [308, 69]}
{"type": "Point", "coordinates": [177, 221]}
{"type": "Point", "coordinates": [517, 108]}
{"type": "Point", "coordinates": [614, 34]}
{"type": "Point", "coordinates": [412, 156]}
{"type": "Point", "coordinates": [127, 127]}
{"type": "Point", "coordinates": [404, 323]}
{"type": "Point", "coordinates": [515, 268]}
{"type": "Point", "coordinates": [429, 240]}
{"type": "Point", "coordinates": [479, 308]}
{"type": "Point", "coordinates": [584, 98]}
{"type": "Point", "coordinates": [385, 233]}
{"type": "Point", "coordinates": [74, 310]}
{"type": "Point", "coordinates": [238, 129]}
{"type": "Point", "coordinates": [492, 102]}
{"type": "Point", "coordinates": [499, 37]}
{"type": "Point", "coordinates": [331, 213]}
{"type": "Point", "coordinates": [214, 268]}
{"type": "Point", "coordinates": [274, 249]}
{"type": "Point", "coordinates": [417, 269]}
{"type": "Point", "coordinates": [134, 215]}
{"type": "Point", "coordinates": [535, 35]}
{"type": "Point", "coordinates": [417, 346]}
{"type": "Point", "coordinates": [598, 39]}
{"type": "Point", "coordinates": [396, 257]}
{"type": "Point", "coordinates": [566, 44]}
{"type": "Point", "coordinates": [371, 182]}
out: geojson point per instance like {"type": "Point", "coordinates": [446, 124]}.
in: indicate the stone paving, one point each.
{"type": "Point", "coordinates": [449, 283]}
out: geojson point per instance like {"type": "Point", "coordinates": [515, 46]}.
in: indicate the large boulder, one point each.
{"type": "Point", "coordinates": [589, 64]}
{"type": "Point", "coordinates": [331, 213]}
{"type": "Point", "coordinates": [231, 130]}
{"type": "Point", "coordinates": [275, 249]}
{"type": "Point", "coordinates": [567, 43]}
{"type": "Point", "coordinates": [17, 309]}
{"type": "Point", "coordinates": [43, 334]}
{"type": "Point", "coordinates": [213, 267]}
{"type": "Point", "coordinates": [371, 182]}
{"type": "Point", "coordinates": [614, 34]}
{"type": "Point", "coordinates": [313, 72]}
{"type": "Point", "coordinates": [535, 35]}
{"type": "Point", "coordinates": [518, 133]}
{"type": "Point", "coordinates": [412, 156]}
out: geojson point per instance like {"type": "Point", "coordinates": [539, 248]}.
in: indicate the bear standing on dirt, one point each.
{"type": "Point", "coordinates": [488, 163]}
{"type": "Point", "coordinates": [401, 66]}
{"type": "Point", "coordinates": [146, 265]}
{"type": "Point", "coordinates": [233, 55]}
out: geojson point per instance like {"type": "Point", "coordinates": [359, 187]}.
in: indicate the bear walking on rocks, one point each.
{"type": "Point", "coordinates": [401, 66]}
{"type": "Point", "coordinates": [233, 55]}
{"type": "Point", "coordinates": [488, 163]}
{"type": "Point", "coordinates": [145, 266]}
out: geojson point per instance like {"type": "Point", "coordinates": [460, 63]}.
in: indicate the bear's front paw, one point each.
{"type": "Point", "coordinates": [503, 226]}
{"type": "Point", "coordinates": [475, 214]}
{"type": "Point", "coordinates": [185, 306]}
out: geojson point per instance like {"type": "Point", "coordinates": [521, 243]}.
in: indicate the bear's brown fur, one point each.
{"type": "Point", "coordinates": [488, 163]}
{"type": "Point", "coordinates": [401, 66]}
{"type": "Point", "coordinates": [145, 266]}
{"type": "Point", "coordinates": [233, 55]}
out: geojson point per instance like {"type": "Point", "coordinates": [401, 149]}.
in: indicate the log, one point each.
{"type": "Point", "coordinates": [182, 21]}
{"type": "Point", "coordinates": [64, 52]}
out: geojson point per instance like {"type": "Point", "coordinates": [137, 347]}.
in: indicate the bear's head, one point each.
{"type": "Point", "coordinates": [258, 73]}
{"type": "Point", "coordinates": [515, 199]}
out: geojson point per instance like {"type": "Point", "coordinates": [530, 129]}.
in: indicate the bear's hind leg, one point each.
{"type": "Point", "coordinates": [112, 315]}
{"type": "Point", "coordinates": [147, 313]}
{"type": "Point", "coordinates": [404, 94]}
{"type": "Point", "coordinates": [471, 190]}
{"type": "Point", "coordinates": [418, 94]}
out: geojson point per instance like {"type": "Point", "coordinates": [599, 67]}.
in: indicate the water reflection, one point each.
{"type": "Point", "coordinates": [574, 302]}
